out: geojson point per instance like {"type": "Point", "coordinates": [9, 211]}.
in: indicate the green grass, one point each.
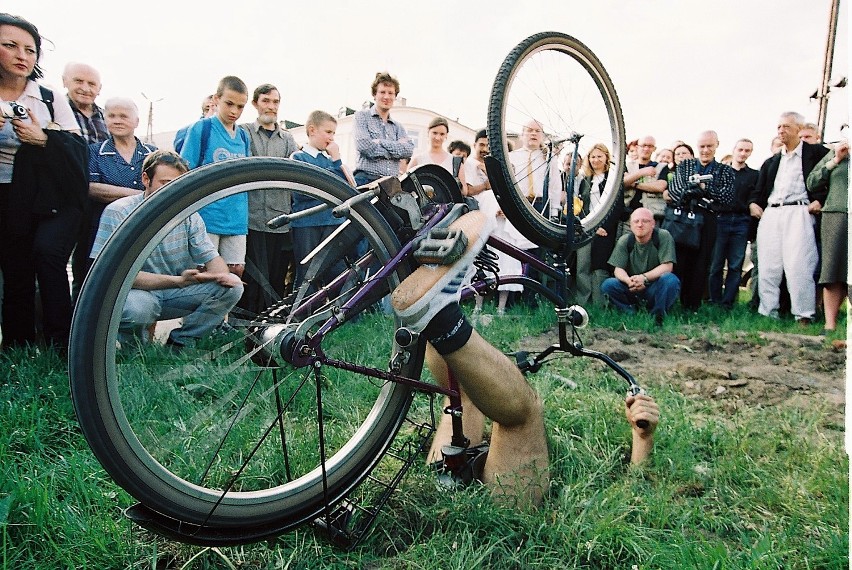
{"type": "Point", "coordinates": [763, 487]}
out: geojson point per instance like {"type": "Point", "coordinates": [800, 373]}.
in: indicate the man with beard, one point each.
{"type": "Point", "coordinates": [269, 253]}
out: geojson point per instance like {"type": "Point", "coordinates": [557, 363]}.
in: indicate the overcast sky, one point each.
{"type": "Point", "coordinates": [679, 66]}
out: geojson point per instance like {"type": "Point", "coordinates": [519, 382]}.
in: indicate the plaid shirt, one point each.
{"type": "Point", "coordinates": [380, 144]}
{"type": "Point", "coordinates": [93, 128]}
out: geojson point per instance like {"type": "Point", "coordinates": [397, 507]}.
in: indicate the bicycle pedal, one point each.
{"type": "Point", "coordinates": [441, 246]}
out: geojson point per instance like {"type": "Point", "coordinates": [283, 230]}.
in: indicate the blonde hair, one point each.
{"type": "Point", "coordinates": [587, 166]}
{"type": "Point", "coordinates": [317, 118]}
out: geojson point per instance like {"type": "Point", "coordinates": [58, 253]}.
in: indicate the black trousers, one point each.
{"type": "Point", "coordinates": [269, 260]}
{"type": "Point", "coordinates": [693, 266]}
{"type": "Point", "coordinates": [41, 254]}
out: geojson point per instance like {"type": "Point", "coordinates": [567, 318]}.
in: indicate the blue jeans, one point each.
{"type": "Point", "coordinates": [202, 306]}
{"type": "Point", "coordinates": [730, 246]}
{"type": "Point", "coordinates": [660, 295]}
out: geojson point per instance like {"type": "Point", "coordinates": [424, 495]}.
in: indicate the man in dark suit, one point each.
{"type": "Point", "coordinates": [786, 242]}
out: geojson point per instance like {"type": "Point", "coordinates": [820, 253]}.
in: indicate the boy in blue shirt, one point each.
{"type": "Point", "coordinates": [321, 151]}
{"type": "Point", "coordinates": [215, 139]}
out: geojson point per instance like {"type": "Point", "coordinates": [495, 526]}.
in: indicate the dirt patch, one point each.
{"type": "Point", "coordinates": [742, 370]}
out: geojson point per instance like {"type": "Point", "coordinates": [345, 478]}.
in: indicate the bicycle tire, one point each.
{"type": "Point", "coordinates": [118, 418]}
{"type": "Point", "coordinates": [563, 70]}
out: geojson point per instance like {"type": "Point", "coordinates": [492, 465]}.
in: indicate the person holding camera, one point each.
{"type": "Point", "coordinates": [43, 191]}
{"type": "Point", "coordinates": [700, 185]}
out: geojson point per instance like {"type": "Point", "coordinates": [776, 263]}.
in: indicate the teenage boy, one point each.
{"type": "Point", "coordinates": [321, 151]}
{"type": "Point", "coordinates": [213, 140]}
{"type": "Point", "coordinates": [170, 285]}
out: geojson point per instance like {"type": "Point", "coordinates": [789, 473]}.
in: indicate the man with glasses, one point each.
{"type": "Point", "coordinates": [647, 180]}
{"type": "Point", "coordinates": [170, 285]}
{"type": "Point", "coordinates": [642, 264]}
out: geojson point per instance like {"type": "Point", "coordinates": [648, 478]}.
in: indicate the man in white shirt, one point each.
{"type": "Point", "coordinates": [786, 244]}
{"type": "Point", "coordinates": [537, 177]}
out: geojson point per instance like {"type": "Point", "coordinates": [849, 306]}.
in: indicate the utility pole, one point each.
{"type": "Point", "coordinates": [824, 89]}
{"type": "Point", "coordinates": [149, 135]}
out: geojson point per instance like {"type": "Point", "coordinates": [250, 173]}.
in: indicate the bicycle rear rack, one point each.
{"type": "Point", "coordinates": [351, 520]}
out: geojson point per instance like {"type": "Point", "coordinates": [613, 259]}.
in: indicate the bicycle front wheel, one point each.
{"type": "Point", "coordinates": [228, 435]}
{"type": "Point", "coordinates": [554, 80]}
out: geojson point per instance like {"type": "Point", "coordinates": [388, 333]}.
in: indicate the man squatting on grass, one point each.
{"type": "Point", "coordinates": [516, 468]}
{"type": "Point", "coordinates": [170, 285]}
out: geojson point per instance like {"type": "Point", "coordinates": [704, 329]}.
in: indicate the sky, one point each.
{"type": "Point", "coordinates": [680, 67]}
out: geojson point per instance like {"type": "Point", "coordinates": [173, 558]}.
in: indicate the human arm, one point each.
{"type": "Point", "coordinates": [641, 408]}
{"type": "Point", "coordinates": [367, 146]}
{"type": "Point", "coordinates": [631, 178]}
{"type": "Point", "coordinates": [476, 178]}
{"type": "Point", "coordinates": [216, 271]}
{"type": "Point", "coordinates": [106, 193]}
{"type": "Point", "coordinates": [818, 179]}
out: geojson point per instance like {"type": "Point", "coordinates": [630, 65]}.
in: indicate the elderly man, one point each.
{"type": "Point", "coordinates": [269, 253]}
{"type": "Point", "coordinates": [170, 285]}
{"type": "Point", "coordinates": [83, 83]}
{"type": "Point", "coordinates": [642, 264]}
{"type": "Point", "coordinates": [786, 244]}
{"type": "Point", "coordinates": [707, 197]}
{"type": "Point", "coordinates": [537, 179]}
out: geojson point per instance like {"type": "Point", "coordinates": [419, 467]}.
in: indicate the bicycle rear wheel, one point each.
{"type": "Point", "coordinates": [554, 79]}
{"type": "Point", "coordinates": [228, 435]}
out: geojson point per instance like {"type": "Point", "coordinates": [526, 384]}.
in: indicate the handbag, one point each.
{"type": "Point", "coordinates": [684, 225]}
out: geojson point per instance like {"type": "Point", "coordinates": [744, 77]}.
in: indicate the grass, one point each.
{"type": "Point", "coordinates": [764, 487]}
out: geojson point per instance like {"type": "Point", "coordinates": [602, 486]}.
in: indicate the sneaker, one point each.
{"type": "Point", "coordinates": [430, 288]}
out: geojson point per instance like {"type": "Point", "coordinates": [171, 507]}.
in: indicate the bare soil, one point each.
{"type": "Point", "coordinates": [742, 370]}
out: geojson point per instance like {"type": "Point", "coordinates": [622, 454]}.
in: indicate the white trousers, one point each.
{"type": "Point", "coordinates": [786, 246]}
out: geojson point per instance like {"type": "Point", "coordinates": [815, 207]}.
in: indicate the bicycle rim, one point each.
{"type": "Point", "coordinates": [554, 79]}
{"type": "Point", "coordinates": [220, 436]}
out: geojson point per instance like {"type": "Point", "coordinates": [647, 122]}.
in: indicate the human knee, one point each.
{"type": "Point", "coordinates": [141, 308]}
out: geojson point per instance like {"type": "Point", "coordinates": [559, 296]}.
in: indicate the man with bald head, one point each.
{"type": "Point", "coordinates": [115, 165]}
{"type": "Point", "coordinates": [83, 83]}
{"type": "Point", "coordinates": [539, 181]}
{"type": "Point", "coordinates": [704, 198]}
{"type": "Point", "coordinates": [642, 263]}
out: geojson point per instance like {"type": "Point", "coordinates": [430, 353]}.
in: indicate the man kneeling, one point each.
{"type": "Point", "coordinates": [516, 468]}
{"type": "Point", "coordinates": [170, 285]}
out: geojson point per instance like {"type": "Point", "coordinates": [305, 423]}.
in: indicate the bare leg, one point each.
{"type": "Point", "coordinates": [502, 300]}
{"type": "Point", "coordinates": [832, 297]}
{"type": "Point", "coordinates": [517, 464]}
{"type": "Point", "coordinates": [473, 420]}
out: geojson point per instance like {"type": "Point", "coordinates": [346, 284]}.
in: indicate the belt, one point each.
{"type": "Point", "coordinates": [791, 203]}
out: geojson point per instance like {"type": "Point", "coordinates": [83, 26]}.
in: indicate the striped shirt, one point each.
{"type": "Point", "coordinates": [185, 247]}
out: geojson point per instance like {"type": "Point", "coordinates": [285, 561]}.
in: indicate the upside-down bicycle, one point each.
{"type": "Point", "coordinates": [289, 418]}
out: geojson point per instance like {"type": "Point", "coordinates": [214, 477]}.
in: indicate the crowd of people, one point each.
{"type": "Point", "coordinates": [70, 171]}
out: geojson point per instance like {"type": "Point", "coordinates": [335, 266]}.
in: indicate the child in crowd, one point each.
{"type": "Point", "coordinates": [215, 139]}
{"type": "Point", "coordinates": [321, 151]}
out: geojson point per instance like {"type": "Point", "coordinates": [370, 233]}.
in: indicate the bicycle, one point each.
{"type": "Point", "coordinates": [280, 422]}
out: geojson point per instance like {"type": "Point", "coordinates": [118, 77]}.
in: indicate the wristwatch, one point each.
{"type": "Point", "coordinates": [645, 277]}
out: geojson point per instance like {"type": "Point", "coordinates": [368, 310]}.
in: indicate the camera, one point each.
{"type": "Point", "coordinates": [696, 179]}
{"type": "Point", "coordinates": [13, 110]}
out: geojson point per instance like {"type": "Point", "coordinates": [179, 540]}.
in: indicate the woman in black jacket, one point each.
{"type": "Point", "coordinates": [43, 186]}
